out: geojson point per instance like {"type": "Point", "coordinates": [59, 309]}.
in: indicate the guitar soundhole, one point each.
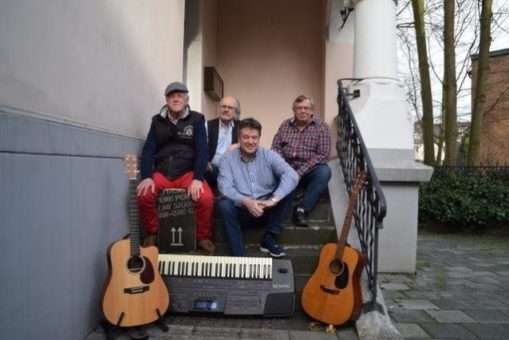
{"type": "Point", "coordinates": [336, 267]}
{"type": "Point", "coordinates": [135, 264]}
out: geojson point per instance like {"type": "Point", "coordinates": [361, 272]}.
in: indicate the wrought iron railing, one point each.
{"type": "Point", "coordinates": [371, 205]}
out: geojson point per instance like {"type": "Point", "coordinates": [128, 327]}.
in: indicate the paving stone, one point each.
{"type": "Point", "coordinates": [394, 294]}
{"type": "Point", "coordinates": [449, 304]}
{"type": "Point", "coordinates": [455, 295]}
{"type": "Point", "coordinates": [459, 269]}
{"type": "Point", "coordinates": [411, 330]}
{"type": "Point", "coordinates": [394, 286]}
{"type": "Point", "coordinates": [265, 334]}
{"type": "Point", "coordinates": [491, 332]}
{"type": "Point", "coordinates": [490, 280]}
{"type": "Point", "coordinates": [154, 331]}
{"type": "Point", "coordinates": [489, 316]}
{"type": "Point", "coordinates": [422, 295]}
{"type": "Point", "coordinates": [447, 331]}
{"type": "Point", "coordinates": [410, 316]}
{"type": "Point", "coordinates": [450, 316]}
{"type": "Point", "coordinates": [300, 335]}
{"type": "Point", "coordinates": [458, 275]}
{"type": "Point", "coordinates": [489, 304]}
{"type": "Point", "coordinates": [417, 304]}
{"type": "Point", "coordinates": [217, 331]}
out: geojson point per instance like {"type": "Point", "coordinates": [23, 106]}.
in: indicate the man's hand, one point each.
{"type": "Point", "coordinates": [233, 146]}
{"type": "Point", "coordinates": [254, 207]}
{"type": "Point", "coordinates": [195, 189]}
{"type": "Point", "coordinates": [144, 186]}
{"type": "Point", "coordinates": [267, 203]}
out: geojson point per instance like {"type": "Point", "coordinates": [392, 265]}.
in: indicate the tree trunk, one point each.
{"type": "Point", "coordinates": [426, 97]}
{"type": "Point", "coordinates": [483, 68]}
{"type": "Point", "coordinates": [449, 85]}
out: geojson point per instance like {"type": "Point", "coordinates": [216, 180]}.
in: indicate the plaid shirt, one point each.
{"type": "Point", "coordinates": [303, 150]}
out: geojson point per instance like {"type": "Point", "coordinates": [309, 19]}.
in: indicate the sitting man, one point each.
{"type": "Point", "coordinates": [175, 156]}
{"type": "Point", "coordinates": [256, 184]}
{"type": "Point", "coordinates": [304, 141]}
{"type": "Point", "coordinates": [221, 133]}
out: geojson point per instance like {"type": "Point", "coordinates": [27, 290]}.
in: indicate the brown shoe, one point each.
{"type": "Point", "coordinates": [207, 245]}
{"type": "Point", "coordinates": [150, 240]}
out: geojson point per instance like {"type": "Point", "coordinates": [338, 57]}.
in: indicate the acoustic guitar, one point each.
{"type": "Point", "coordinates": [332, 294]}
{"type": "Point", "coordinates": [135, 293]}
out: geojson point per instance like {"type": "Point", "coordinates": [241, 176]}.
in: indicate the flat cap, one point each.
{"type": "Point", "coordinates": [175, 87]}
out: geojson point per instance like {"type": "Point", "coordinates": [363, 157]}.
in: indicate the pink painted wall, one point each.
{"type": "Point", "coordinates": [209, 51]}
{"type": "Point", "coordinates": [268, 53]}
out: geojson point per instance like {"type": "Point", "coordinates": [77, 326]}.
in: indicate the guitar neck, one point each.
{"type": "Point", "coordinates": [359, 184]}
{"type": "Point", "coordinates": [346, 227]}
{"type": "Point", "coordinates": [134, 229]}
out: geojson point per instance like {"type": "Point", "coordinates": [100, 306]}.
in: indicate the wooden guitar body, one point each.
{"type": "Point", "coordinates": [333, 294]}
{"type": "Point", "coordinates": [135, 293]}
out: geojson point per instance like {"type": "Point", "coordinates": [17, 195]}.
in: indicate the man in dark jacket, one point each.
{"type": "Point", "coordinates": [175, 155]}
{"type": "Point", "coordinates": [222, 134]}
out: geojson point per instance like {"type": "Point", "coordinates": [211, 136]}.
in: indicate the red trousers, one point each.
{"type": "Point", "coordinates": [203, 209]}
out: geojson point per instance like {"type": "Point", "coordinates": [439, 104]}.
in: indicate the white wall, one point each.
{"type": "Point", "coordinates": [103, 63]}
{"type": "Point", "coordinates": [77, 79]}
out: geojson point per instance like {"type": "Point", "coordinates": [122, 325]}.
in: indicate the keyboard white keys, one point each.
{"type": "Point", "coordinates": [215, 266]}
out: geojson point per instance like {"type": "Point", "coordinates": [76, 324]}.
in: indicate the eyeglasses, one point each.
{"type": "Point", "coordinates": [228, 107]}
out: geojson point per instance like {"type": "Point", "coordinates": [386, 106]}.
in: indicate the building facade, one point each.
{"type": "Point", "coordinates": [495, 122]}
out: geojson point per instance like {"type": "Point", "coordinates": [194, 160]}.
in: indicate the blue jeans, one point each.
{"type": "Point", "coordinates": [236, 218]}
{"type": "Point", "coordinates": [314, 184]}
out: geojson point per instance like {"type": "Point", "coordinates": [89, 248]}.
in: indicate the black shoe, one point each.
{"type": "Point", "coordinates": [150, 240]}
{"type": "Point", "coordinates": [299, 217]}
{"type": "Point", "coordinates": [269, 245]}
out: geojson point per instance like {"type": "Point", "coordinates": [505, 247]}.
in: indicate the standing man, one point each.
{"type": "Point", "coordinates": [255, 183]}
{"type": "Point", "coordinates": [175, 155]}
{"type": "Point", "coordinates": [221, 133]}
{"type": "Point", "coordinates": [304, 141]}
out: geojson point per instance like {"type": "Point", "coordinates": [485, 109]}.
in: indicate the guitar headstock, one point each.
{"type": "Point", "coordinates": [360, 180]}
{"type": "Point", "coordinates": [131, 166]}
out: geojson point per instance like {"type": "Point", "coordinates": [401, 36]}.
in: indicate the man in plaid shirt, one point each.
{"type": "Point", "coordinates": [304, 141]}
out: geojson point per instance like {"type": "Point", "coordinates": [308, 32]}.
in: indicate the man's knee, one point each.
{"type": "Point", "coordinates": [206, 197]}
{"type": "Point", "coordinates": [225, 206]}
{"type": "Point", "coordinates": [146, 199]}
{"type": "Point", "coordinates": [323, 172]}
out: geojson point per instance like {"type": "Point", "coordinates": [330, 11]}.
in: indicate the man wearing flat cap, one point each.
{"type": "Point", "coordinates": [175, 155]}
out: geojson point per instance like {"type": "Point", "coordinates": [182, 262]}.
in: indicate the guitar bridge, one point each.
{"type": "Point", "coordinates": [329, 290]}
{"type": "Point", "coordinates": [136, 290]}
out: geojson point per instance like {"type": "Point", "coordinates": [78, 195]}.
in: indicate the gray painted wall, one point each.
{"type": "Point", "coordinates": [63, 201]}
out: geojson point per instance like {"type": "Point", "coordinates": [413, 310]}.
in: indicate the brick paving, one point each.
{"type": "Point", "coordinates": [460, 289]}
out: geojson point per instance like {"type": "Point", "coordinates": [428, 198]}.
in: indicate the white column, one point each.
{"type": "Point", "coordinates": [387, 128]}
{"type": "Point", "coordinates": [375, 39]}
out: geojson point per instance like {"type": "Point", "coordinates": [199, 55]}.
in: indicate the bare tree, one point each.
{"type": "Point", "coordinates": [449, 85]}
{"type": "Point", "coordinates": [426, 96]}
{"type": "Point", "coordinates": [483, 69]}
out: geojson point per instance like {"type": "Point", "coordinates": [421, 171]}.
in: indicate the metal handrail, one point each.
{"type": "Point", "coordinates": [371, 205]}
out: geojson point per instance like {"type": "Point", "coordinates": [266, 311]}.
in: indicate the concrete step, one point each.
{"type": "Point", "coordinates": [321, 213]}
{"type": "Point", "coordinates": [317, 234]}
